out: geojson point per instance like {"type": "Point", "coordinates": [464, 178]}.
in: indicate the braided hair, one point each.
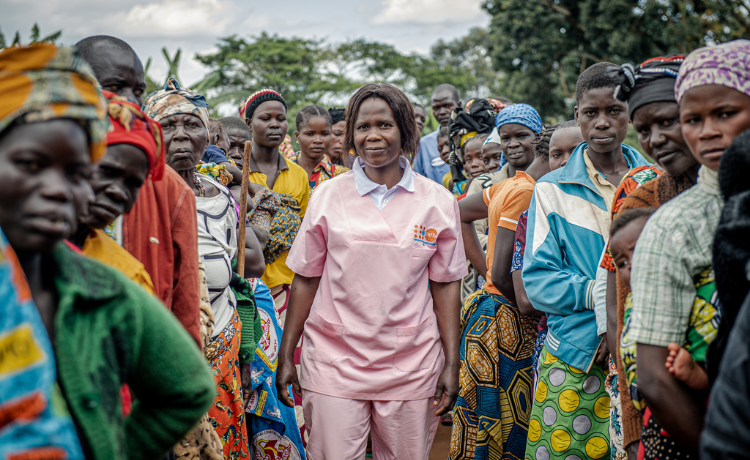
{"type": "Point", "coordinates": [311, 111]}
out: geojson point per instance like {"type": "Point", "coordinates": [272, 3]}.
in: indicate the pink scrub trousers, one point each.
{"type": "Point", "coordinates": [338, 427]}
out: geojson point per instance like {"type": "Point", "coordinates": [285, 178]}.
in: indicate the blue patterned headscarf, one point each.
{"type": "Point", "coordinates": [523, 114]}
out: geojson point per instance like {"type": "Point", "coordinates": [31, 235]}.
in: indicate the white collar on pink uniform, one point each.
{"type": "Point", "coordinates": [379, 193]}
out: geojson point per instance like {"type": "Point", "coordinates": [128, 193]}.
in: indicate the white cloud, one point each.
{"type": "Point", "coordinates": [428, 11]}
{"type": "Point", "coordinates": [176, 17]}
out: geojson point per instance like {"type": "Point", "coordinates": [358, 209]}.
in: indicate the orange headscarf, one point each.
{"type": "Point", "coordinates": [44, 82]}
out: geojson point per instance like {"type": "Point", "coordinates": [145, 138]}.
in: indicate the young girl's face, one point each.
{"type": "Point", "coordinates": [515, 140]}
{"type": "Point", "coordinates": [338, 131]}
{"type": "Point", "coordinates": [491, 154]}
{"type": "Point", "coordinates": [561, 146]}
{"type": "Point", "coordinates": [43, 183]}
{"type": "Point", "coordinates": [269, 124]}
{"type": "Point", "coordinates": [444, 147]}
{"type": "Point", "coordinates": [473, 162]}
{"type": "Point", "coordinates": [603, 119]}
{"type": "Point", "coordinates": [622, 245]}
{"type": "Point", "coordinates": [314, 138]}
{"type": "Point", "coordinates": [711, 116]}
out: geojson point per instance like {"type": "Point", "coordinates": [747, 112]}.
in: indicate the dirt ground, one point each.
{"type": "Point", "coordinates": [442, 443]}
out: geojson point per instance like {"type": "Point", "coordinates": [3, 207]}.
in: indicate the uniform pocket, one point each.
{"type": "Point", "coordinates": [324, 341]}
{"type": "Point", "coordinates": [417, 347]}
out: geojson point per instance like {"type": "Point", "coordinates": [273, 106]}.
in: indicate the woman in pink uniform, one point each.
{"type": "Point", "coordinates": [378, 260]}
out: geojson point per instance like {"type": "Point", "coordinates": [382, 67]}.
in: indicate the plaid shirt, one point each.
{"type": "Point", "coordinates": [673, 249]}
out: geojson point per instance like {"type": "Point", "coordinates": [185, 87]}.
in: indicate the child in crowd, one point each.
{"type": "Point", "coordinates": [473, 163]}
{"type": "Point", "coordinates": [314, 138]}
{"type": "Point", "coordinates": [563, 142]}
{"type": "Point", "coordinates": [492, 152]}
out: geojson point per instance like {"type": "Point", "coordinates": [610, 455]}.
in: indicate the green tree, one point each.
{"type": "Point", "coordinates": [35, 37]}
{"type": "Point", "coordinates": [542, 46]}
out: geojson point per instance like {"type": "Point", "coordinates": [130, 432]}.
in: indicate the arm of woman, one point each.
{"type": "Point", "coordinates": [301, 297]}
{"type": "Point", "coordinates": [447, 305]}
{"type": "Point", "coordinates": [473, 208]}
{"type": "Point", "coordinates": [611, 336]}
{"type": "Point", "coordinates": [501, 262]}
{"type": "Point", "coordinates": [522, 300]}
{"type": "Point", "coordinates": [234, 171]}
{"type": "Point", "coordinates": [255, 263]}
{"type": "Point", "coordinates": [170, 378]}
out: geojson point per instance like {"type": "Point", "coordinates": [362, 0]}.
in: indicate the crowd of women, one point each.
{"type": "Point", "coordinates": [376, 283]}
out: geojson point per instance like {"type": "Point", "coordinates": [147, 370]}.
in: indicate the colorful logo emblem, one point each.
{"type": "Point", "coordinates": [425, 235]}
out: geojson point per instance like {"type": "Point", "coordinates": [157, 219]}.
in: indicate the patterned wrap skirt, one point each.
{"type": "Point", "coordinates": [570, 418]}
{"type": "Point", "coordinates": [491, 417]}
{"type": "Point", "coordinates": [226, 414]}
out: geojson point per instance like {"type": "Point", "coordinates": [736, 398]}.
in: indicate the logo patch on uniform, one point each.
{"type": "Point", "coordinates": [425, 235]}
{"type": "Point", "coordinates": [19, 350]}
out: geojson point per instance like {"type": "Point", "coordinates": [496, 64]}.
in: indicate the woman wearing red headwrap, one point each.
{"type": "Point", "coordinates": [135, 152]}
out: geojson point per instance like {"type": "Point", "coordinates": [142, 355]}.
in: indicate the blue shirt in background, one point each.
{"type": "Point", "coordinates": [428, 162]}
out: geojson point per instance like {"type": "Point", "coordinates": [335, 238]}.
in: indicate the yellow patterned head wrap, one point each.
{"type": "Point", "coordinates": [44, 82]}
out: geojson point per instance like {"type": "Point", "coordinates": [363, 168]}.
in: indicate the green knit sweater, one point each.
{"type": "Point", "coordinates": [109, 331]}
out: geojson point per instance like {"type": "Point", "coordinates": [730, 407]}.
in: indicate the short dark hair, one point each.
{"type": "Point", "coordinates": [402, 112]}
{"type": "Point", "coordinates": [214, 127]}
{"type": "Point", "coordinates": [235, 123]}
{"type": "Point", "coordinates": [477, 138]}
{"type": "Point", "coordinates": [628, 216]}
{"type": "Point", "coordinates": [447, 87]}
{"type": "Point", "coordinates": [568, 124]}
{"type": "Point", "coordinates": [416, 104]}
{"type": "Point", "coordinates": [444, 131]}
{"type": "Point", "coordinates": [541, 141]}
{"type": "Point", "coordinates": [310, 111]}
{"type": "Point", "coordinates": [88, 45]}
{"type": "Point", "coordinates": [595, 77]}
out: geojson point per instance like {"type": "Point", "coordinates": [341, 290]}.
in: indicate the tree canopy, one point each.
{"type": "Point", "coordinates": [541, 46]}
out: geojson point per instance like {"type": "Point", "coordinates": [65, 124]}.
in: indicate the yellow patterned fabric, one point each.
{"type": "Point", "coordinates": [43, 82]}
{"type": "Point", "coordinates": [491, 417]}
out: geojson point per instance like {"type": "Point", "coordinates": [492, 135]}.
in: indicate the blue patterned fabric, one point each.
{"type": "Point", "coordinates": [272, 427]}
{"type": "Point", "coordinates": [523, 114]}
{"type": "Point", "coordinates": [32, 425]}
{"type": "Point", "coordinates": [491, 416]}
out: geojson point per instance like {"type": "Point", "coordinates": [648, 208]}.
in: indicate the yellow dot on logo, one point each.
{"type": "Point", "coordinates": [549, 359]}
{"type": "Point", "coordinates": [574, 370]}
{"type": "Point", "coordinates": [597, 447]}
{"type": "Point", "coordinates": [568, 401]}
{"type": "Point", "coordinates": [535, 430]}
{"type": "Point", "coordinates": [560, 440]}
{"type": "Point", "coordinates": [541, 392]}
{"type": "Point", "coordinates": [601, 407]}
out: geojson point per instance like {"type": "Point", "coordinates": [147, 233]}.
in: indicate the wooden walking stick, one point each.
{"type": "Point", "coordinates": [243, 210]}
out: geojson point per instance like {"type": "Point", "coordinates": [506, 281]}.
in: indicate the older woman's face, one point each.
{"type": "Point", "coordinates": [43, 183]}
{"type": "Point", "coordinates": [185, 138]}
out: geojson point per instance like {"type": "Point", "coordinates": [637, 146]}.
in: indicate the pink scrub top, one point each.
{"type": "Point", "coordinates": [372, 331]}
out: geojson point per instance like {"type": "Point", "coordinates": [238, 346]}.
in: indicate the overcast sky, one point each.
{"type": "Point", "coordinates": [195, 25]}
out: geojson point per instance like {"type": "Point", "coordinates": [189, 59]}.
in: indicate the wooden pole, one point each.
{"type": "Point", "coordinates": [243, 210]}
